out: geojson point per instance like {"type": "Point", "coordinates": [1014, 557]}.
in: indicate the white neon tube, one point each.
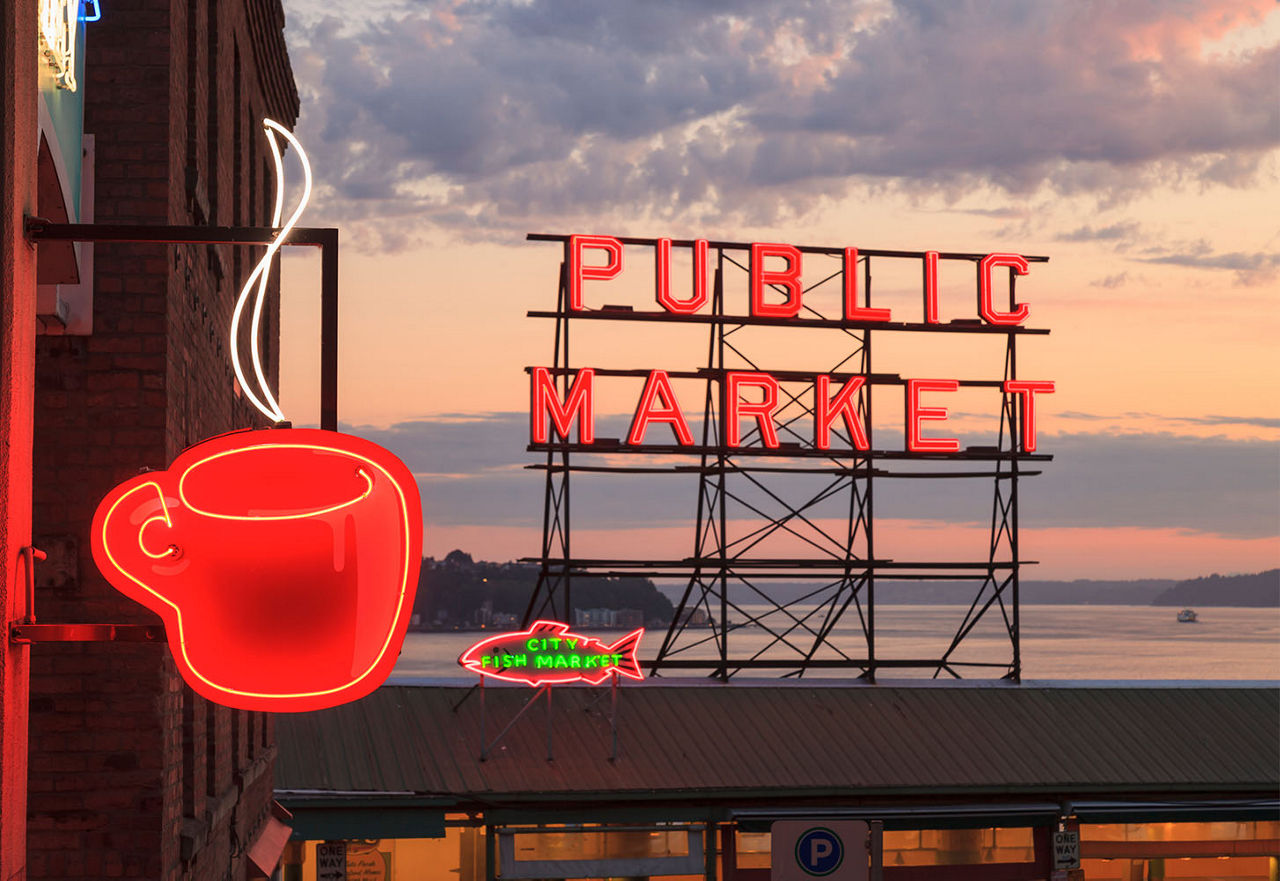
{"type": "Point", "coordinates": [267, 404]}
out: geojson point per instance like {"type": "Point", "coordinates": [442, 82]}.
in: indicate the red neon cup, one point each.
{"type": "Point", "coordinates": [283, 563]}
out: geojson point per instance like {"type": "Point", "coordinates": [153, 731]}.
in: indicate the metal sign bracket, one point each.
{"type": "Point", "coordinates": [39, 230]}
{"type": "Point", "coordinates": [487, 746]}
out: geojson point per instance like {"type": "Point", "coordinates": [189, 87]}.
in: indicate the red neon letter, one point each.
{"type": "Point", "coordinates": [659, 386]}
{"type": "Point", "coordinates": [579, 273]}
{"type": "Point", "coordinates": [852, 311]}
{"type": "Point", "coordinates": [1027, 389]}
{"type": "Point", "coordinates": [917, 414]}
{"type": "Point", "coordinates": [930, 287]}
{"type": "Point", "coordinates": [662, 278]}
{"type": "Point", "coordinates": [788, 278]}
{"type": "Point", "coordinates": [985, 308]}
{"type": "Point", "coordinates": [734, 408]}
{"type": "Point", "coordinates": [826, 409]}
{"type": "Point", "coordinates": [579, 404]}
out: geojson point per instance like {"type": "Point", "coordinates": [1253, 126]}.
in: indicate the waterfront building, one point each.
{"type": "Point", "coordinates": [962, 780]}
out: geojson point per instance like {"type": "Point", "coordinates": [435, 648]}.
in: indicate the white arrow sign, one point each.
{"type": "Point", "coordinates": [331, 861]}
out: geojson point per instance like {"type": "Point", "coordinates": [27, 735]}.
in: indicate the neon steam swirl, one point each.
{"type": "Point", "coordinates": [267, 403]}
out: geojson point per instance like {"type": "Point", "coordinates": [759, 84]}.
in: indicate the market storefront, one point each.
{"type": "Point", "coordinates": [1235, 849]}
{"type": "Point", "coordinates": [952, 781]}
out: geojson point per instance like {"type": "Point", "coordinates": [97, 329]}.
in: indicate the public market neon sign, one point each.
{"type": "Point", "coordinates": [755, 395]}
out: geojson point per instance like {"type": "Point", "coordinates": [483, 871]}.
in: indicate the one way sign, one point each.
{"type": "Point", "coordinates": [1066, 850]}
{"type": "Point", "coordinates": [331, 861]}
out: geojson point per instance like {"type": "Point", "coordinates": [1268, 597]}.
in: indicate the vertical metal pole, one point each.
{"type": "Point", "coordinates": [729, 850]}
{"type": "Point", "coordinates": [877, 850]}
{"type": "Point", "coordinates": [723, 478]}
{"type": "Point", "coordinates": [709, 851]}
{"type": "Point", "coordinates": [490, 853]}
{"type": "Point", "coordinates": [1042, 849]}
{"type": "Point", "coordinates": [1015, 433]}
{"type": "Point", "coordinates": [484, 736]}
{"type": "Point", "coordinates": [550, 757]}
{"type": "Point", "coordinates": [869, 501]}
{"type": "Point", "coordinates": [567, 525]}
{"type": "Point", "coordinates": [329, 331]}
{"type": "Point", "coordinates": [613, 716]}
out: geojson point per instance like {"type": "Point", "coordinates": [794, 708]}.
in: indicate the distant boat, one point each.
{"type": "Point", "coordinates": [1187, 616]}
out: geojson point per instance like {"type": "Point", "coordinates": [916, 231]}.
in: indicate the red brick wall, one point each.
{"type": "Point", "coordinates": [18, 132]}
{"type": "Point", "coordinates": [132, 775]}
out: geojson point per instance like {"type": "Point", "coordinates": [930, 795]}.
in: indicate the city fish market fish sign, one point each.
{"type": "Point", "coordinates": [548, 653]}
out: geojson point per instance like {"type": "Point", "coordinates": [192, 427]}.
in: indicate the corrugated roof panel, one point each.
{"type": "Point", "coordinates": [676, 738]}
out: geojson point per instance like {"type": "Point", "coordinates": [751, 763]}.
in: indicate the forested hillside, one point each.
{"type": "Point", "coordinates": [1260, 589]}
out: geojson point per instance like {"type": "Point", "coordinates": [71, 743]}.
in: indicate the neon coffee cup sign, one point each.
{"type": "Point", "coordinates": [283, 562]}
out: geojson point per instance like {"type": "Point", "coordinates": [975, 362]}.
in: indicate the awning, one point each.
{"type": "Point", "coordinates": [321, 816]}
{"type": "Point", "coordinates": [264, 853]}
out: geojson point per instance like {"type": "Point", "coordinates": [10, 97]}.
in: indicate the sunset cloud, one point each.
{"type": "Point", "coordinates": [473, 472]}
{"type": "Point", "coordinates": [1136, 144]}
{"type": "Point", "coordinates": [1247, 268]}
{"type": "Point", "coordinates": [487, 114]}
{"type": "Point", "coordinates": [1112, 233]}
{"type": "Point", "coordinates": [1111, 281]}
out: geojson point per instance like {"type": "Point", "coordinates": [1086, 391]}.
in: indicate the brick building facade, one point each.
{"type": "Point", "coordinates": [132, 774]}
{"type": "Point", "coordinates": [18, 198]}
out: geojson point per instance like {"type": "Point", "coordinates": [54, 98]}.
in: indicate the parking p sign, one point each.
{"type": "Point", "coordinates": [832, 850]}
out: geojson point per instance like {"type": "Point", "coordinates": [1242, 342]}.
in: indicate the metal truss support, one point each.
{"type": "Point", "coordinates": [552, 598]}
{"type": "Point", "coordinates": [802, 627]}
{"type": "Point", "coordinates": [999, 590]}
{"type": "Point", "coordinates": [753, 497]}
{"type": "Point", "coordinates": [38, 230]}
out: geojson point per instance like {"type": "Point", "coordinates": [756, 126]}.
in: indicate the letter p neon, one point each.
{"type": "Point", "coordinates": [579, 271]}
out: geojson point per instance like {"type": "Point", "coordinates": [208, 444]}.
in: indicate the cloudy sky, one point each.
{"type": "Point", "coordinates": [1136, 144]}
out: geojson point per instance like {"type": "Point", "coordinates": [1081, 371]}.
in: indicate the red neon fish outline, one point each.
{"type": "Point", "coordinates": [626, 646]}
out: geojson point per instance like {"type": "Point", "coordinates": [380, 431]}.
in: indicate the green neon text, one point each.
{"type": "Point", "coordinates": [503, 661]}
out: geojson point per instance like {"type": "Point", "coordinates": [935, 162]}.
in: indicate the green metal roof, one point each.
{"type": "Point", "coordinates": [743, 743]}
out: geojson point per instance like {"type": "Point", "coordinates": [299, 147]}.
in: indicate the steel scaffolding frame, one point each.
{"type": "Point", "coordinates": [795, 635]}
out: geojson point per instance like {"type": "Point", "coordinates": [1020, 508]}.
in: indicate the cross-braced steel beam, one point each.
{"type": "Point", "coordinates": [754, 498]}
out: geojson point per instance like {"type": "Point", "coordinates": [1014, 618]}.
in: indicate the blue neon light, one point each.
{"type": "Point", "coordinates": [97, 10]}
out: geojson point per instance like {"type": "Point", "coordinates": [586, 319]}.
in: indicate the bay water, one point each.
{"type": "Point", "coordinates": [1059, 642]}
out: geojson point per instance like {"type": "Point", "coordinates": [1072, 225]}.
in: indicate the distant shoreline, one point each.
{"type": "Point", "coordinates": [592, 628]}
{"type": "Point", "coordinates": [1260, 590]}
{"type": "Point", "coordinates": [1201, 607]}
{"type": "Point", "coordinates": [458, 593]}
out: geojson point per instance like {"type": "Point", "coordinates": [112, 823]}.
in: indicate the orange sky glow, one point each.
{"type": "Point", "coordinates": [1161, 292]}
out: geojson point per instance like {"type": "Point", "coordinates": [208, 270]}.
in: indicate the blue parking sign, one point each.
{"type": "Point", "coordinates": [829, 849]}
{"type": "Point", "coordinates": [819, 851]}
